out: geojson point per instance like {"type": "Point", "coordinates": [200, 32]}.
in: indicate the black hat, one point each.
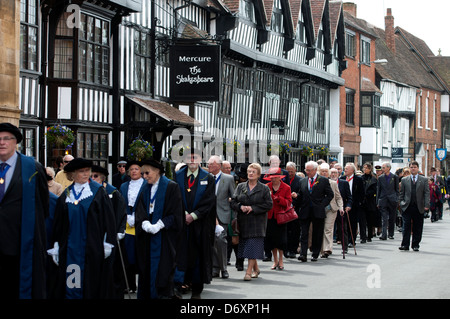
{"type": "Point", "coordinates": [129, 163]}
{"type": "Point", "coordinates": [99, 169]}
{"type": "Point", "coordinates": [154, 163]}
{"type": "Point", "coordinates": [77, 163]}
{"type": "Point", "coordinates": [241, 170]}
{"type": "Point", "coordinates": [8, 127]}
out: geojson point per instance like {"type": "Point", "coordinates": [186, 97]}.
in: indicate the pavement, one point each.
{"type": "Point", "coordinates": [378, 270]}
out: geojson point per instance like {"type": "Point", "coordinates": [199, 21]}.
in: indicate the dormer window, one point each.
{"type": "Point", "coordinates": [248, 10]}
{"type": "Point", "coordinates": [276, 24]}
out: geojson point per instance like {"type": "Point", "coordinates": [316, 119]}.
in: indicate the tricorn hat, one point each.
{"type": "Point", "coordinates": [8, 127]}
{"type": "Point", "coordinates": [99, 169]}
{"type": "Point", "coordinates": [77, 163]}
{"type": "Point", "coordinates": [154, 163]}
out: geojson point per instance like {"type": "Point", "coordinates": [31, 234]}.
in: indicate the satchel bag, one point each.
{"type": "Point", "coordinates": [286, 216]}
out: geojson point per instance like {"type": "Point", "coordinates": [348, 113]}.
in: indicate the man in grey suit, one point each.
{"type": "Point", "coordinates": [414, 201]}
{"type": "Point", "coordinates": [224, 190]}
{"type": "Point", "coordinates": [387, 200]}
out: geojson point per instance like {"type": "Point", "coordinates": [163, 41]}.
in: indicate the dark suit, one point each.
{"type": "Point", "coordinates": [413, 198]}
{"type": "Point", "coordinates": [344, 189]}
{"type": "Point", "coordinates": [312, 210]}
{"type": "Point", "coordinates": [355, 214]}
{"type": "Point", "coordinates": [293, 227]}
{"type": "Point", "coordinates": [387, 201]}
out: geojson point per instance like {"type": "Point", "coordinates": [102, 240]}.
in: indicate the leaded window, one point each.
{"type": "Point", "coordinates": [29, 34]}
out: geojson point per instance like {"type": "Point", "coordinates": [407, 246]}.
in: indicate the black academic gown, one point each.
{"type": "Point", "coordinates": [24, 234]}
{"type": "Point", "coordinates": [120, 212]}
{"type": "Point", "coordinates": [97, 279]}
{"type": "Point", "coordinates": [156, 253]}
{"type": "Point", "coordinates": [195, 249]}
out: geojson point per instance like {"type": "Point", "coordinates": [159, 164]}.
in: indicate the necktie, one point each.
{"type": "Point", "coordinates": [3, 169]}
{"type": "Point", "coordinates": [414, 179]}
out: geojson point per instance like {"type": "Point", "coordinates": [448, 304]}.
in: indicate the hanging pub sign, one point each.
{"type": "Point", "coordinates": [194, 73]}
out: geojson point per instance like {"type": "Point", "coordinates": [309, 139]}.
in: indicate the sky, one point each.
{"type": "Point", "coordinates": [428, 20]}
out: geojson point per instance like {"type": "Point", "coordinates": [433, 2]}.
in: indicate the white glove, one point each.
{"type": "Point", "coordinates": [219, 230]}
{"type": "Point", "coordinates": [107, 247]}
{"type": "Point", "coordinates": [120, 236]}
{"type": "Point", "coordinates": [146, 226]}
{"type": "Point", "coordinates": [130, 220]}
{"type": "Point", "coordinates": [54, 252]}
{"type": "Point", "coordinates": [152, 228]}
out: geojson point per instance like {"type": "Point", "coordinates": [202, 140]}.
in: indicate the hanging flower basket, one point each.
{"type": "Point", "coordinates": [176, 152]}
{"type": "Point", "coordinates": [307, 151]}
{"type": "Point", "coordinates": [284, 148]}
{"type": "Point", "coordinates": [139, 150]}
{"type": "Point", "coordinates": [230, 145]}
{"type": "Point", "coordinates": [322, 150]}
{"type": "Point", "coordinates": [59, 136]}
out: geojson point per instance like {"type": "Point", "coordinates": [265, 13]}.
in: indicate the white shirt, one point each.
{"type": "Point", "coordinates": [216, 178]}
{"type": "Point", "coordinates": [85, 190]}
{"type": "Point", "coordinates": [152, 193]}
{"type": "Point", "coordinates": [133, 190]}
{"type": "Point", "coordinates": [350, 182]}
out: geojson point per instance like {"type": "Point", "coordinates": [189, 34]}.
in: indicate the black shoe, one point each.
{"type": "Point", "coordinates": [403, 248]}
{"type": "Point", "coordinates": [416, 248]}
{"type": "Point", "coordinates": [215, 275]}
{"type": "Point", "coordinates": [225, 274]}
{"type": "Point", "coordinates": [313, 258]}
{"type": "Point", "coordinates": [382, 238]}
{"type": "Point", "coordinates": [302, 258]}
{"type": "Point", "coordinates": [369, 240]}
{"type": "Point", "coordinates": [292, 254]}
{"type": "Point", "coordinates": [391, 237]}
{"type": "Point", "coordinates": [196, 296]}
{"type": "Point", "coordinates": [363, 241]}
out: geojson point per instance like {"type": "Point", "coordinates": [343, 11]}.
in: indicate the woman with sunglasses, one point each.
{"type": "Point", "coordinates": [159, 222]}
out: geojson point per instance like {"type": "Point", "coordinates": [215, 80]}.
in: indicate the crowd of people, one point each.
{"type": "Point", "coordinates": [69, 234]}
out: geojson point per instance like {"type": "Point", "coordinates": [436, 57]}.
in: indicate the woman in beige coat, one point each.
{"type": "Point", "coordinates": [331, 210]}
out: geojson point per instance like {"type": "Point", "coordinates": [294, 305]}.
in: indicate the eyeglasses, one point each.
{"type": "Point", "coordinates": [66, 162]}
{"type": "Point", "coordinates": [145, 173]}
{"type": "Point", "coordinates": [7, 138]}
{"type": "Point", "coordinates": [95, 175]}
{"type": "Point", "coordinates": [121, 165]}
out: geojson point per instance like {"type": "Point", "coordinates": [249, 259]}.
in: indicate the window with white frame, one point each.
{"type": "Point", "coordinates": [29, 34]}
{"type": "Point", "coordinates": [434, 113]}
{"type": "Point", "coordinates": [365, 50]}
{"type": "Point", "coordinates": [419, 109]}
{"type": "Point", "coordinates": [426, 113]}
{"type": "Point", "coordinates": [350, 44]}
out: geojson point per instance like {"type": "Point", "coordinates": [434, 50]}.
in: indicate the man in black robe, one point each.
{"type": "Point", "coordinates": [195, 251]}
{"type": "Point", "coordinates": [24, 205]}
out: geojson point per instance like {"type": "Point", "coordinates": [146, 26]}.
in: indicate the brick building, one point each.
{"type": "Point", "coordinates": [359, 82]}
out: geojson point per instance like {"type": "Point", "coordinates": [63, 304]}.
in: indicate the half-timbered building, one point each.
{"type": "Point", "coordinates": [103, 69]}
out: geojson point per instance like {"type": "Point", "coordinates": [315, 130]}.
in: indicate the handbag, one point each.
{"type": "Point", "coordinates": [286, 216]}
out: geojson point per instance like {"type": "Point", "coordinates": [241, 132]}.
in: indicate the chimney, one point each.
{"type": "Point", "coordinates": [389, 30]}
{"type": "Point", "coordinates": [350, 7]}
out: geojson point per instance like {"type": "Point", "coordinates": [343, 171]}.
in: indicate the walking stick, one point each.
{"type": "Point", "coordinates": [123, 267]}
{"type": "Point", "coordinates": [343, 241]}
{"type": "Point", "coordinates": [351, 233]}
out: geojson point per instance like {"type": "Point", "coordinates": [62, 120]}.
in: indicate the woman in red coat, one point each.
{"type": "Point", "coordinates": [276, 235]}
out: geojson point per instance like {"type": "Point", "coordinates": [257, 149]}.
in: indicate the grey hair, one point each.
{"type": "Point", "coordinates": [291, 164]}
{"type": "Point", "coordinates": [313, 164]}
{"type": "Point", "coordinates": [352, 166]}
{"type": "Point", "coordinates": [324, 166]}
{"type": "Point", "coordinates": [387, 164]}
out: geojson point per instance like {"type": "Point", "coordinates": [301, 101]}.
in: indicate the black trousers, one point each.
{"type": "Point", "coordinates": [317, 235]}
{"type": "Point", "coordinates": [9, 276]}
{"type": "Point", "coordinates": [412, 214]}
{"type": "Point", "coordinates": [293, 236]}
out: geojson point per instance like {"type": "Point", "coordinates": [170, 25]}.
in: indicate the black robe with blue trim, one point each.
{"type": "Point", "coordinates": [156, 253]}
{"type": "Point", "coordinates": [97, 278]}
